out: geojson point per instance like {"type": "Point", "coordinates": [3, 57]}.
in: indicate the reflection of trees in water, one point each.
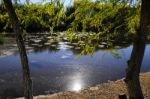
{"type": "Point", "coordinates": [91, 49]}
{"type": "Point", "coordinates": [53, 49]}
{"type": "Point", "coordinates": [43, 48]}
{"type": "Point", "coordinates": [87, 41]}
{"type": "Point", "coordinates": [77, 44]}
{"type": "Point", "coordinates": [12, 92]}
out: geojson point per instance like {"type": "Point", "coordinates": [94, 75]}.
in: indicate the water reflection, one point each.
{"type": "Point", "coordinates": [78, 46]}
{"type": "Point", "coordinates": [60, 69]}
{"type": "Point", "coordinates": [77, 82]}
{"type": "Point", "coordinates": [77, 86]}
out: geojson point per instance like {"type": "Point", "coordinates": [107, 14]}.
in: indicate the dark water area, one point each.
{"type": "Point", "coordinates": [63, 70]}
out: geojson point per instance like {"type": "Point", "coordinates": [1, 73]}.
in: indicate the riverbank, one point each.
{"type": "Point", "coordinates": [109, 90]}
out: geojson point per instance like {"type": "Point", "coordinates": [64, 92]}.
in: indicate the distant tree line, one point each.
{"type": "Point", "coordinates": [82, 15]}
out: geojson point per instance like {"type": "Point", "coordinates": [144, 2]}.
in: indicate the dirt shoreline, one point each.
{"type": "Point", "coordinates": [109, 90]}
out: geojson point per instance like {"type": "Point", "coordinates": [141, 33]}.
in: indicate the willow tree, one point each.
{"type": "Point", "coordinates": [19, 39]}
{"type": "Point", "coordinates": [134, 64]}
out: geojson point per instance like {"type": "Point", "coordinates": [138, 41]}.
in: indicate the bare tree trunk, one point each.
{"type": "Point", "coordinates": [19, 39]}
{"type": "Point", "coordinates": [133, 70]}
{"type": "Point", "coordinates": [134, 64]}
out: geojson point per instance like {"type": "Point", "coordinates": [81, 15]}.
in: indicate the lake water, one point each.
{"type": "Point", "coordinates": [63, 70]}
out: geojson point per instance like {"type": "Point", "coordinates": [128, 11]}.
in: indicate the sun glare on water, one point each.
{"type": "Point", "coordinates": [77, 87]}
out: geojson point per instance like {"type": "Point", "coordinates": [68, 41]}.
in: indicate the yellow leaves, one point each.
{"type": "Point", "coordinates": [51, 11]}
{"type": "Point", "coordinates": [133, 21]}
{"type": "Point", "coordinates": [88, 50]}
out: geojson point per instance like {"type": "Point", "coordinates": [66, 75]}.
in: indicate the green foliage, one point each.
{"type": "Point", "coordinates": [134, 19]}
{"type": "Point", "coordinates": [4, 19]}
{"type": "Point", "coordinates": [32, 18]}
{"type": "Point", "coordinates": [71, 36]}
{"type": "Point", "coordinates": [1, 38]}
{"type": "Point", "coordinates": [109, 20]}
{"type": "Point", "coordinates": [35, 17]}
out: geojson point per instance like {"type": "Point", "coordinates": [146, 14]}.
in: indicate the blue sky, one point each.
{"type": "Point", "coordinates": [66, 2]}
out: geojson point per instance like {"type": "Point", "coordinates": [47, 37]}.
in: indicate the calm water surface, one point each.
{"type": "Point", "coordinates": [61, 70]}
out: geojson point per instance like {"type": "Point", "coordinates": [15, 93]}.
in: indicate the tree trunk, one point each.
{"type": "Point", "coordinates": [134, 64]}
{"type": "Point", "coordinates": [133, 70]}
{"type": "Point", "coordinates": [19, 39]}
